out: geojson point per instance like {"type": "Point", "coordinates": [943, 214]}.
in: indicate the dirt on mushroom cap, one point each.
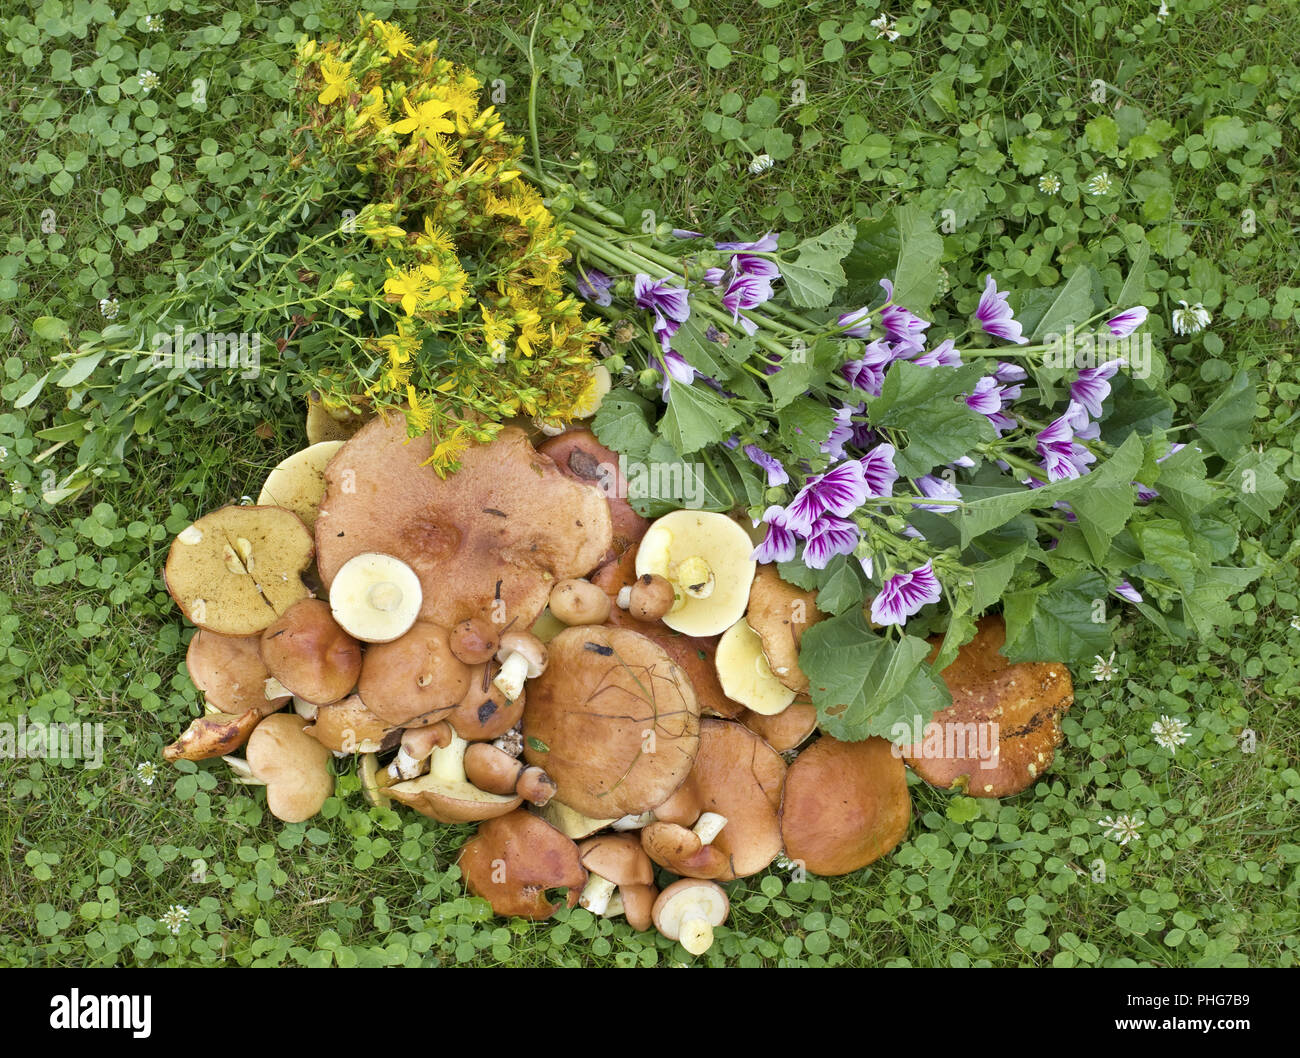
{"type": "Point", "coordinates": [612, 720]}
{"type": "Point", "coordinates": [487, 541]}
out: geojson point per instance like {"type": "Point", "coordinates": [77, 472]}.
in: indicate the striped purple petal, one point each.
{"type": "Point", "coordinates": [1127, 322]}
{"type": "Point", "coordinates": [779, 543]}
{"type": "Point", "coordinates": [767, 244]}
{"type": "Point", "coordinates": [878, 471]}
{"type": "Point", "coordinates": [841, 490]}
{"type": "Point", "coordinates": [830, 536]}
{"type": "Point", "coordinates": [995, 315]}
{"type": "Point", "coordinates": [776, 473]}
{"type": "Point", "coordinates": [938, 489]}
{"type": "Point", "coordinates": [904, 594]}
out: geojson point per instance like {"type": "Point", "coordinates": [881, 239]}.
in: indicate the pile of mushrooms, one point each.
{"type": "Point", "coordinates": [617, 704]}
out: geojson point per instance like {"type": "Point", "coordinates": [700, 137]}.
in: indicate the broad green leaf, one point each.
{"type": "Point", "coordinates": [1059, 621]}
{"type": "Point", "coordinates": [696, 418]}
{"type": "Point", "coordinates": [1135, 283]}
{"type": "Point", "coordinates": [623, 424]}
{"type": "Point", "coordinates": [31, 394]}
{"type": "Point", "coordinates": [991, 578]}
{"type": "Point", "coordinates": [916, 273]}
{"type": "Point", "coordinates": [80, 370]}
{"type": "Point", "coordinates": [1182, 482]}
{"type": "Point", "coordinates": [841, 585]}
{"type": "Point", "coordinates": [50, 328]}
{"type": "Point", "coordinates": [1209, 603]}
{"type": "Point", "coordinates": [1255, 481]}
{"type": "Point", "coordinates": [815, 273]}
{"type": "Point", "coordinates": [1226, 424]}
{"type": "Point", "coordinates": [1072, 305]}
{"type": "Point", "coordinates": [1165, 544]}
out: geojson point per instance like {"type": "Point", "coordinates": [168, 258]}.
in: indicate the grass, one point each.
{"type": "Point", "coordinates": [641, 93]}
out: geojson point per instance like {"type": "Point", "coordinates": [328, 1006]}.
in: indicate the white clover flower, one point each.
{"type": "Point", "coordinates": [1170, 732]}
{"type": "Point", "coordinates": [16, 488]}
{"type": "Point", "coordinates": [153, 23]}
{"type": "Point", "coordinates": [761, 164]}
{"type": "Point", "coordinates": [945, 285]}
{"type": "Point", "coordinates": [884, 27]}
{"type": "Point", "coordinates": [1099, 184]}
{"type": "Point", "coordinates": [109, 308]}
{"type": "Point", "coordinates": [1295, 620]}
{"type": "Point", "coordinates": [4, 452]}
{"type": "Point", "coordinates": [1105, 668]}
{"type": "Point", "coordinates": [146, 771]}
{"type": "Point", "coordinates": [1191, 319]}
{"type": "Point", "coordinates": [1049, 183]}
{"type": "Point", "coordinates": [148, 81]}
{"type": "Point", "coordinates": [1163, 13]}
{"type": "Point", "coordinates": [1122, 828]}
{"type": "Point", "coordinates": [175, 918]}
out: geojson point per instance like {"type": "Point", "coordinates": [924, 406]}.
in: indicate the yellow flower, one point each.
{"type": "Point", "coordinates": [393, 38]}
{"type": "Point", "coordinates": [446, 452]}
{"type": "Point", "coordinates": [424, 120]}
{"type": "Point", "coordinates": [406, 287]}
{"type": "Point", "coordinates": [338, 80]}
{"type": "Point", "coordinates": [419, 417]}
{"type": "Point", "coordinates": [435, 239]}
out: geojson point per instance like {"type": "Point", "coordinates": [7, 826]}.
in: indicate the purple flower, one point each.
{"type": "Point", "coordinates": [779, 544]}
{"type": "Point", "coordinates": [776, 474]}
{"type": "Point", "coordinates": [767, 244]}
{"type": "Point", "coordinates": [841, 490]}
{"type": "Point", "coordinates": [670, 304]}
{"type": "Point", "coordinates": [856, 324]}
{"type": "Point", "coordinates": [904, 594]}
{"type": "Point", "coordinates": [683, 233]}
{"type": "Point", "coordinates": [944, 354]}
{"type": "Point", "coordinates": [746, 292]}
{"type": "Point", "coordinates": [868, 372]}
{"type": "Point", "coordinates": [995, 316]}
{"type": "Point", "coordinates": [830, 536]}
{"type": "Point", "coordinates": [744, 264]}
{"type": "Point", "coordinates": [595, 286]}
{"type": "Point", "coordinates": [1127, 322]}
{"type": "Point", "coordinates": [878, 471]}
{"type": "Point", "coordinates": [1008, 372]}
{"type": "Point", "coordinates": [900, 325]}
{"type": "Point", "coordinates": [841, 433]}
{"type": "Point", "coordinates": [1062, 457]}
{"type": "Point", "coordinates": [731, 443]}
{"type": "Point", "coordinates": [713, 276]}
{"type": "Point", "coordinates": [1093, 386]}
{"type": "Point", "coordinates": [987, 397]}
{"type": "Point", "coordinates": [938, 489]}
{"type": "Point", "coordinates": [1125, 590]}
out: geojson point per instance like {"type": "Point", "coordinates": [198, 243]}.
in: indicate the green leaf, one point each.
{"type": "Point", "coordinates": [1226, 132]}
{"type": "Point", "coordinates": [1135, 283]}
{"type": "Point", "coordinates": [623, 424]}
{"type": "Point", "coordinates": [926, 403]}
{"type": "Point", "coordinates": [1102, 134]}
{"type": "Point", "coordinates": [841, 586]}
{"type": "Point", "coordinates": [864, 684]}
{"type": "Point", "coordinates": [1056, 621]}
{"type": "Point", "coordinates": [50, 328]}
{"type": "Point", "coordinates": [1165, 544]}
{"type": "Point", "coordinates": [1182, 482]}
{"type": "Point", "coordinates": [80, 370]}
{"type": "Point", "coordinates": [1208, 604]}
{"type": "Point", "coordinates": [1226, 424]}
{"type": "Point", "coordinates": [696, 418]}
{"type": "Point", "coordinates": [803, 425]}
{"type": "Point", "coordinates": [991, 578]}
{"type": "Point", "coordinates": [815, 273]}
{"type": "Point", "coordinates": [916, 273]}
{"type": "Point", "coordinates": [1072, 305]}
{"type": "Point", "coordinates": [31, 394]}
{"type": "Point", "coordinates": [1102, 511]}
{"type": "Point", "coordinates": [1254, 476]}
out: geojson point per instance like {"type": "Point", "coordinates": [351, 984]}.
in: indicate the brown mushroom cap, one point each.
{"type": "Point", "coordinates": [416, 680]}
{"type": "Point", "coordinates": [584, 459]}
{"type": "Point", "coordinates": [780, 613]}
{"type": "Point", "coordinates": [349, 727]}
{"type": "Point", "coordinates": [475, 641]}
{"type": "Point", "coordinates": [684, 806]}
{"type": "Point", "coordinates": [740, 776]}
{"type": "Point", "coordinates": [650, 596]}
{"type": "Point", "coordinates": [236, 570]}
{"type": "Point", "coordinates": [515, 859]}
{"type": "Point", "coordinates": [1026, 701]}
{"type": "Point", "coordinates": [487, 541]}
{"type": "Point", "coordinates": [579, 602]}
{"type": "Point", "coordinates": [445, 793]}
{"type": "Point", "coordinates": [294, 767]}
{"type": "Point", "coordinates": [230, 672]}
{"type": "Point", "coordinates": [618, 857]}
{"type": "Point", "coordinates": [495, 771]}
{"type": "Point", "coordinates": [786, 730]}
{"type": "Point", "coordinates": [214, 735]}
{"type": "Point", "coordinates": [638, 905]}
{"type": "Point", "coordinates": [310, 654]}
{"type": "Point", "coordinates": [485, 712]}
{"type": "Point", "coordinates": [612, 720]}
{"type": "Point", "coordinates": [682, 851]}
{"type": "Point", "coordinates": [845, 805]}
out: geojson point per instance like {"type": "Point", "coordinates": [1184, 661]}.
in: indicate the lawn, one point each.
{"type": "Point", "coordinates": [1040, 136]}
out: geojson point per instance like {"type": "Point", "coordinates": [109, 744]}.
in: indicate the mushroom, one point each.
{"type": "Point", "coordinates": [293, 767]}
{"type": "Point", "coordinates": [745, 675]}
{"type": "Point", "coordinates": [584, 459]}
{"type": "Point", "coordinates": [414, 681]}
{"type": "Point", "coordinates": [236, 570]}
{"type": "Point", "coordinates": [214, 735]}
{"type": "Point", "coordinates": [687, 852]}
{"type": "Point", "coordinates": [512, 861]}
{"type": "Point", "coordinates": [688, 910]}
{"type": "Point", "coordinates": [522, 656]}
{"type": "Point", "coordinates": [331, 422]}
{"type": "Point", "coordinates": [230, 672]}
{"type": "Point", "coordinates": [579, 602]}
{"type": "Point", "coordinates": [706, 557]}
{"type": "Point", "coordinates": [485, 712]}
{"type": "Point", "coordinates": [307, 651]}
{"type": "Point", "coordinates": [612, 720]}
{"type": "Point", "coordinates": [635, 903]}
{"type": "Point", "coordinates": [475, 640]}
{"type": "Point", "coordinates": [648, 597]}
{"type": "Point", "coordinates": [487, 541]}
{"type": "Point", "coordinates": [570, 822]}
{"type": "Point", "coordinates": [445, 793]}
{"type": "Point", "coordinates": [786, 730]}
{"type": "Point", "coordinates": [375, 597]}
{"type": "Point", "coordinates": [348, 727]}
{"type": "Point", "coordinates": [845, 805]}
{"type": "Point", "coordinates": [1003, 728]}
{"type": "Point", "coordinates": [298, 482]}
{"type": "Point", "coordinates": [417, 746]}
{"type": "Point", "coordinates": [497, 772]}
{"type": "Point", "coordinates": [780, 613]}
{"type": "Point", "coordinates": [612, 861]}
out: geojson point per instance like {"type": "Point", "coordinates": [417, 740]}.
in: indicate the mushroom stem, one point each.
{"type": "Point", "coordinates": [695, 577]}
{"type": "Point", "coordinates": [243, 773]}
{"type": "Point", "coordinates": [596, 894]}
{"type": "Point", "coordinates": [635, 822]}
{"type": "Point", "coordinates": [385, 596]}
{"type": "Point", "coordinates": [615, 906]}
{"type": "Point", "coordinates": [510, 680]}
{"type": "Point", "coordinates": [708, 827]}
{"type": "Point", "coordinates": [624, 597]}
{"type": "Point", "coordinates": [369, 772]}
{"type": "Point", "coordinates": [696, 934]}
{"type": "Point", "coordinates": [447, 763]}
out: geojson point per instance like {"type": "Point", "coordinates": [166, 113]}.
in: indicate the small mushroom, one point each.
{"type": "Point", "coordinates": [475, 640]}
{"type": "Point", "coordinates": [779, 613]}
{"type": "Point", "coordinates": [497, 772]}
{"type": "Point", "coordinates": [417, 746]}
{"type": "Point", "coordinates": [522, 656]}
{"type": "Point", "coordinates": [375, 597]}
{"type": "Point", "coordinates": [298, 482]}
{"type": "Point", "coordinates": [512, 861]}
{"type": "Point", "coordinates": [485, 712]}
{"type": "Point", "coordinates": [579, 602]}
{"type": "Point", "coordinates": [647, 598]}
{"type": "Point", "coordinates": [307, 651]}
{"type": "Point", "coordinates": [570, 822]}
{"type": "Point", "coordinates": [706, 557]}
{"type": "Point", "coordinates": [786, 730]}
{"type": "Point", "coordinates": [745, 675]}
{"type": "Point", "coordinates": [293, 767]}
{"type": "Point", "coordinates": [414, 681]}
{"type": "Point", "coordinates": [348, 727]}
{"type": "Point", "coordinates": [445, 793]}
{"type": "Point", "coordinates": [689, 910]}
{"type": "Point", "coordinates": [612, 861]}
{"type": "Point", "coordinates": [687, 852]}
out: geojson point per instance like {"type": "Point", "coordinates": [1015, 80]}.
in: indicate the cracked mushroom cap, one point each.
{"type": "Point", "coordinates": [584, 459]}
{"type": "Point", "coordinates": [230, 672]}
{"type": "Point", "coordinates": [294, 767]}
{"type": "Point", "coordinates": [1025, 701]}
{"type": "Point", "coordinates": [745, 674]}
{"type": "Point", "coordinates": [487, 541]}
{"type": "Point", "coordinates": [512, 861]}
{"type": "Point", "coordinates": [416, 680]}
{"type": "Point", "coordinates": [845, 805]}
{"type": "Point", "coordinates": [612, 720]}
{"type": "Point", "coordinates": [307, 651]}
{"type": "Point", "coordinates": [780, 613]}
{"type": "Point", "coordinates": [236, 570]}
{"type": "Point", "coordinates": [739, 776]}
{"type": "Point", "coordinates": [298, 482]}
